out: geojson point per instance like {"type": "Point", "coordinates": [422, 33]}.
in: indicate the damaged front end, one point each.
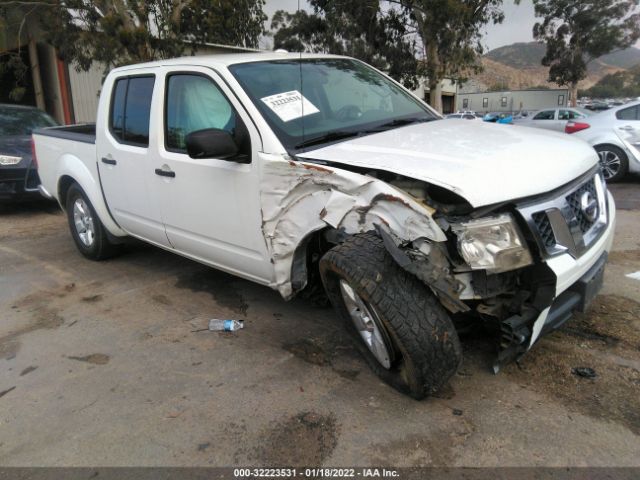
{"type": "Point", "coordinates": [476, 261]}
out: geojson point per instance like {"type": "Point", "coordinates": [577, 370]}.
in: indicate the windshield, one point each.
{"type": "Point", "coordinates": [22, 121]}
{"type": "Point", "coordinates": [310, 100]}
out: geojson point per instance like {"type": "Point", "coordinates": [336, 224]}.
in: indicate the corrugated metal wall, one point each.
{"type": "Point", "coordinates": [85, 92]}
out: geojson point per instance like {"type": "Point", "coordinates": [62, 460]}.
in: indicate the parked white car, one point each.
{"type": "Point", "coordinates": [317, 173]}
{"type": "Point", "coordinates": [463, 116]}
{"type": "Point", "coordinates": [615, 134]}
{"type": "Point", "coordinates": [552, 118]}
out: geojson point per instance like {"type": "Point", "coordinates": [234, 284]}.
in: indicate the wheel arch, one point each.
{"type": "Point", "coordinates": [305, 200]}
{"type": "Point", "coordinates": [73, 170]}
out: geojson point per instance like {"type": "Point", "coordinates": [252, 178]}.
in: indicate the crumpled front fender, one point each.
{"type": "Point", "coordinates": [300, 198]}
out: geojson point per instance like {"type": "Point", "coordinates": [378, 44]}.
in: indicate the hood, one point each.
{"type": "Point", "coordinates": [17, 146]}
{"type": "Point", "coordinates": [482, 162]}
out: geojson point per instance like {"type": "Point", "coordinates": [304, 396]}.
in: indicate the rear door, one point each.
{"type": "Point", "coordinates": [124, 161]}
{"type": "Point", "coordinates": [628, 129]}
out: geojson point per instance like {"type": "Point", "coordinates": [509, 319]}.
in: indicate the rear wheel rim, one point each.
{"type": "Point", "coordinates": [83, 222]}
{"type": "Point", "coordinates": [610, 163]}
{"type": "Point", "coordinates": [367, 322]}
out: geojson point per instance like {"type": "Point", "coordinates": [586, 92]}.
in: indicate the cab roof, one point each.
{"type": "Point", "coordinates": [226, 59]}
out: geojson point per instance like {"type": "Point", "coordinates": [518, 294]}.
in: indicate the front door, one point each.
{"type": "Point", "coordinates": [124, 157]}
{"type": "Point", "coordinates": [210, 206]}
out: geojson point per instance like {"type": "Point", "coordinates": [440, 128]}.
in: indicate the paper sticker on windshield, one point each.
{"type": "Point", "coordinates": [289, 105]}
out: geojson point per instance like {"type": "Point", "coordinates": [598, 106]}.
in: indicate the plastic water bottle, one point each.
{"type": "Point", "coordinates": [217, 325]}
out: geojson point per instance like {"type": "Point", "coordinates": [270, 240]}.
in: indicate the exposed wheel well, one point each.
{"type": "Point", "coordinates": [305, 271]}
{"type": "Point", "coordinates": [64, 184]}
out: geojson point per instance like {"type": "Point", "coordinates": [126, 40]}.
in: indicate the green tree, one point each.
{"type": "Point", "coordinates": [121, 32]}
{"type": "Point", "coordinates": [434, 38]}
{"type": "Point", "coordinates": [620, 84]}
{"type": "Point", "coordinates": [360, 28]}
{"type": "Point", "coordinates": [578, 31]}
{"type": "Point", "coordinates": [451, 35]}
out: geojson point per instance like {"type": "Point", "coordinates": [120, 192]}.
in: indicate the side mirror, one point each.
{"type": "Point", "coordinates": [211, 143]}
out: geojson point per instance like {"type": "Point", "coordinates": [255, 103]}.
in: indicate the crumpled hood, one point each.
{"type": "Point", "coordinates": [484, 163]}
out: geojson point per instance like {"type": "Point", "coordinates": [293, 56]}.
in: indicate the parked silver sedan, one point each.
{"type": "Point", "coordinates": [553, 118]}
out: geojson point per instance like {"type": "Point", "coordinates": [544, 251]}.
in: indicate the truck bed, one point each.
{"type": "Point", "coordinates": [82, 132]}
{"type": "Point", "coordinates": [69, 150]}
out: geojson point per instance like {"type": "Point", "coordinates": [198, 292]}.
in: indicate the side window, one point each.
{"type": "Point", "coordinates": [130, 110]}
{"type": "Point", "coordinates": [565, 115]}
{"type": "Point", "coordinates": [545, 115]}
{"type": "Point", "coordinates": [193, 103]}
{"type": "Point", "coordinates": [116, 118]}
{"type": "Point", "coordinates": [138, 109]}
{"type": "Point", "coordinates": [632, 113]}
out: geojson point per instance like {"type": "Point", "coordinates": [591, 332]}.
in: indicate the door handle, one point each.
{"type": "Point", "coordinates": [165, 173]}
{"type": "Point", "coordinates": [627, 128]}
{"type": "Point", "coordinates": [108, 161]}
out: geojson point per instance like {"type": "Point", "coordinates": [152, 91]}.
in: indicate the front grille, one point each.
{"type": "Point", "coordinates": [544, 229]}
{"type": "Point", "coordinates": [574, 204]}
{"type": "Point", "coordinates": [559, 223]}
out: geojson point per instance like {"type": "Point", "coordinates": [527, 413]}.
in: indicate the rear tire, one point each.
{"type": "Point", "coordinates": [614, 162]}
{"type": "Point", "coordinates": [87, 230]}
{"type": "Point", "coordinates": [406, 323]}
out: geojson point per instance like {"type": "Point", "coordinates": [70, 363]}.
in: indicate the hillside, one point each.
{"type": "Point", "coordinates": [518, 66]}
{"type": "Point", "coordinates": [526, 55]}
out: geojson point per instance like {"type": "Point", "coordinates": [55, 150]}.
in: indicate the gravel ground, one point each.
{"type": "Point", "coordinates": [110, 364]}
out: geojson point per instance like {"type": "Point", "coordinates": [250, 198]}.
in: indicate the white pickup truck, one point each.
{"type": "Point", "coordinates": [317, 173]}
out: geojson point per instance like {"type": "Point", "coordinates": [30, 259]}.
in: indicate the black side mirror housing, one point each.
{"type": "Point", "coordinates": [211, 143]}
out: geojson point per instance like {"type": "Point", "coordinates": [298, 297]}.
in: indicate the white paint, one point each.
{"type": "Point", "coordinates": [607, 128]}
{"type": "Point", "coordinates": [289, 105]}
{"type": "Point", "coordinates": [537, 326]}
{"type": "Point", "coordinates": [485, 163]}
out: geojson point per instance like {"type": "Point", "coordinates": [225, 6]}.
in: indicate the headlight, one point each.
{"type": "Point", "coordinates": [9, 160]}
{"type": "Point", "coordinates": [493, 244]}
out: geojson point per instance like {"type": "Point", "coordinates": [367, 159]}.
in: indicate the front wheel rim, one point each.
{"type": "Point", "coordinates": [610, 163]}
{"type": "Point", "coordinates": [367, 322]}
{"type": "Point", "coordinates": [83, 222]}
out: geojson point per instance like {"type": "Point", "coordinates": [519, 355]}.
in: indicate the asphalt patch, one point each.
{"type": "Point", "coordinates": [306, 439]}
{"type": "Point", "coordinates": [222, 287]}
{"type": "Point", "coordinates": [308, 351]}
{"type": "Point", "coordinates": [94, 358]}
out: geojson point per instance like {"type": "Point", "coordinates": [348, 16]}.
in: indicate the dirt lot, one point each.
{"type": "Point", "coordinates": [111, 364]}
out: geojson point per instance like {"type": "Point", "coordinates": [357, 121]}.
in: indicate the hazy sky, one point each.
{"type": "Point", "coordinates": [517, 25]}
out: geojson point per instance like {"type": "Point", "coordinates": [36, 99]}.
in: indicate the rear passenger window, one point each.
{"type": "Point", "coordinates": [116, 120]}
{"type": "Point", "coordinates": [632, 113]}
{"type": "Point", "coordinates": [546, 115]}
{"type": "Point", "coordinates": [130, 110]}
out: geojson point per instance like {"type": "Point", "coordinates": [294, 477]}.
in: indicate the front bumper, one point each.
{"type": "Point", "coordinates": [18, 184]}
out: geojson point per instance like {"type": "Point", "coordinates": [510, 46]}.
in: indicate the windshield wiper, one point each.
{"type": "Point", "coordinates": [328, 137]}
{"type": "Point", "coordinates": [401, 122]}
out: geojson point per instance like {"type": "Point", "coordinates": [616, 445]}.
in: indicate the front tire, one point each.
{"type": "Point", "coordinates": [614, 162]}
{"type": "Point", "coordinates": [87, 230]}
{"type": "Point", "coordinates": [405, 335]}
